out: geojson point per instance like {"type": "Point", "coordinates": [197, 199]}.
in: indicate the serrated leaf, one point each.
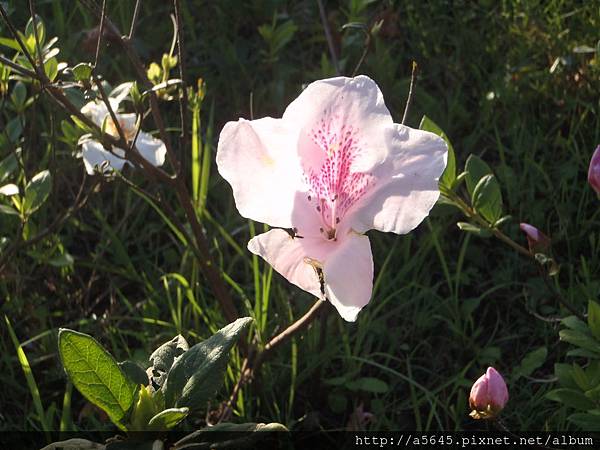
{"type": "Point", "coordinates": [487, 198]}
{"type": "Point", "coordinates": [594, 318]}
{"type": "Point", "coordinates": [37, 191]}
{"type": "Point", "coordinates": [163, 357]}
{"type": "Point", "coordinates": [198, 373]}
{"type": "Point", "coordinates": [571, 398]}
{"type": "Point", "coordinates": [531, 362]}
{"type": "Point", "coordinates": [167, 419]}
{"type": "Point", "coordinates": [96, 374]}
{"type": "Point", "coordinates": [476, 169]}
{"type": "Point", "coordinates": [449, 176]}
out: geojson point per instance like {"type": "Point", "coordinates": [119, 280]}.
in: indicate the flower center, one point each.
{"type": "Point", "coordinates": [335, 187]}
{"type": "Point", "coordinates": [127, 129]}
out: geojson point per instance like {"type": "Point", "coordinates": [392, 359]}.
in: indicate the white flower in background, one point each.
{"type": "Point", "coordinates": [94, 153]}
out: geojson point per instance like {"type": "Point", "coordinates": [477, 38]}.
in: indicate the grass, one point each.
{"type": "Point", "coordinates": [446, 304]}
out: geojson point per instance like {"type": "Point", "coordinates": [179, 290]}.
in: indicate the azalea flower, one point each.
{"type": "Point", "coordinates": [94, 153]}
{"type": "Point", "coordinates": [333, 167]}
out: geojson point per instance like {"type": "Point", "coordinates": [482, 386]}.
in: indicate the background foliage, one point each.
{"type": "Point", "coordinates": [515, 82]}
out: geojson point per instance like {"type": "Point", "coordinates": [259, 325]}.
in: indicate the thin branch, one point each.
{"type": "Point", "coordinates": [41, 74]}
{"type": "Point", "coordinates": [183, 106]}
{"type": "Point", "coordinates": [330, 44]}
{"type": "Point", "coordinates": [410, 91]}
{"type": "Point", "coordinates": [100, 33]}
{"type": "Point", "coordinates": [134, 19]}
{"type": "Point", "coordinates": [211, 270]}
{"type": "Point", "coordinates": [17, 68]}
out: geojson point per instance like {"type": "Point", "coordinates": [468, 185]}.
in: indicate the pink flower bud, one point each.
{"type": "Point", "coordinates": [488, 395]}
{"type": "Point", "coordinates": [594, 171]}
{"type": "Point", "coordinates": [538, 241]}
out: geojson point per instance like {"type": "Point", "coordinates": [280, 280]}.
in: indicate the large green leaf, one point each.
{"type": "Point", "coordinates": [96, 374]}
{"type": "Point", "coordinates": [37, 191]}
{"type": "Point", "coordinates": [198, 373]}
{"type": "Point", "coordinates": [449, 176]}
{"type": "Point", "coordinates": [476, 169]}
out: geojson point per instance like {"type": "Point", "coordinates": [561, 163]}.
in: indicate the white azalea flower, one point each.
{"type": "Point", "coordinates": [94, 153]}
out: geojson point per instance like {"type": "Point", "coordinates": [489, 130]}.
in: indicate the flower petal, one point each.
{"type": "Point", "coordinates": [335, 106]}
{"type": "Point", "coordinates": [97, 110]}
{"type": "Point", "coordinates": [291, 257]}
{"type": "Point", "coordinates": [94, 155]}
{"type": "Point", "coordinates": [406, 186]}
{"type": "Point", "coordinates": [347, 286]}
{"type": "Point", "coordinates": [152, 149]}
{"type": "Point", "coordinates": [258, 159]}
{"type": "Point", "coordinates": [348, 275]}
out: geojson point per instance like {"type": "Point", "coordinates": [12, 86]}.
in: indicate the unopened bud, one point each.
{"type": "Point", "coordinates": [488, 395]}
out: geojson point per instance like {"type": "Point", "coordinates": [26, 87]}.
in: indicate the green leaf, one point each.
{"type": "Point", "coordinates": [163, 357]}
{"type": "Point", "coordinates": [10, 43]}
{"type": "Point", "coordinates": [51, 68]}
{"type": "Point", "coordinates": [571, 398]}
{"type": "Point", "coordinates": [8, 210]}
{"type": "Point", "coordinates": [37, 191]}
{"type": "Point", "coordinates": [196, 376]}
{"type": "Point", "coordinates": [587, 422]}
{"type": "Point", "coordinates": [580, 339]}
{"type": "Point", "coordinates": [134, 372]}
{"type": "Point", "coordinates": [594, 318]}
{"type": "Point", "coordinates": [41, 30]}
{"type": "Point", "coordinates": [564, 372]}
{"type": "Point", "coordinates": [82, 72]}
{"type": "Point", "coordinates": [18, 96]}
{"type": "Point", "coordinates": [167, 419]}
{"type": "Point", "coordinates": [7, 166]}
{"type": "Point", "coordinates": [531, 361]}
{"type": "Point", "coordinates": [210, 436]}
{"type": "Point", "coordinates": [368, 384]}
{"type": "Point", "coordinates": [449, 176]}
{"type": "Point", "coordinates": [470, 228]}
{"type": "Point", "coordinates": [487, 198]}
{"type": "Point", "coordinates": [575, 323]}
{"type": "Point", "coordinates": [96, 374]}
{"type": "Point", "coordinates": [476, 169]}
